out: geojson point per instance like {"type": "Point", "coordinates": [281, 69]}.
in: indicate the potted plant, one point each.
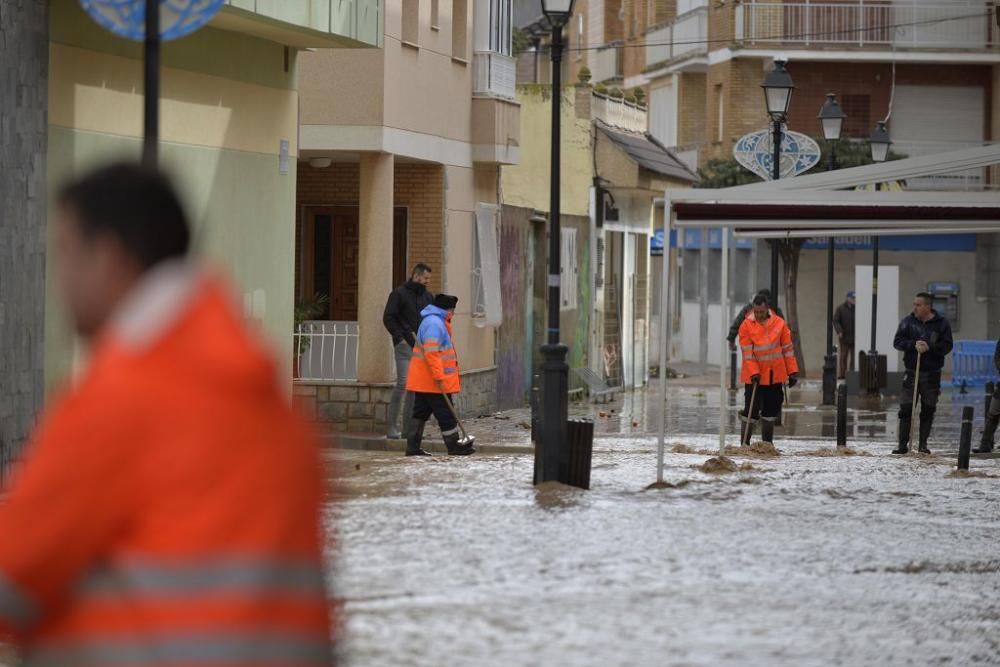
{"type": "Point", "coordinates": [305, 310]}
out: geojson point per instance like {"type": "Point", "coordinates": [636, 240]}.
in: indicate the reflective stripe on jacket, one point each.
{"type": "Point", "coordinates": [434, 365]}
{"type": "Point", "coordinates": [168, 510]}
{"type": "Point", "coordinates": [767, 350]}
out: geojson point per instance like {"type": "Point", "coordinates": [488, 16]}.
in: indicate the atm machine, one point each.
{"type": "Point", "coordinates": [944, 299]}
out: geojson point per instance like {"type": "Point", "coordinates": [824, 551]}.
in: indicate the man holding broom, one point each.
{"type": "Point", "coordinates": [434, 379]}
{"type": "Point", "coordinates": [768, 362]}
{"type": "Point", "coordinates": [924, 338]}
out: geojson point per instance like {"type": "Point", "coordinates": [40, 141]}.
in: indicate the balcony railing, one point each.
{"type": "Point", "coordinates": [619, 113]}
{"type": "Point", "coordinates": [607, 63]}
{"type": "Point", "coordinates": [897, 23]}
{"type": "Point", "coordinates": [326, 352]}
{"type": "Point", "coordinates": [686, 36]}
{"type": "Point", "coordinates": [356, 19]}
{"type": "Point", "coordinates": [494, 74]}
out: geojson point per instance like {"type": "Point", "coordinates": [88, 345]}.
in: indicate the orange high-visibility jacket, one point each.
{"type": "Point", "coordinates": [168, 511]}
{"type": "Point", "coordinates": [434, 365]}
{"type": "Point", "coordinates": [767, 350]}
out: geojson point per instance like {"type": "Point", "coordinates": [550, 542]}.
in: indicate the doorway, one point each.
{"type": "Point", "coordinates": [330, 258]}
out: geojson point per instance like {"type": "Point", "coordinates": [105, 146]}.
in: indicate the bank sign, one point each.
{"type": "Point", "coordinates": [942, 243]}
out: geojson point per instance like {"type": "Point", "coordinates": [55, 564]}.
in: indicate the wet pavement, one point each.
{"type": "Point", "coordinates": [799, 559]}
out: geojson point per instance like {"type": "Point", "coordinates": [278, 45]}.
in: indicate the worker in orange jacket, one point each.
{"type": "Point", "coordinates": [768, 362]}
{"type": "Point", "coordinates": [168, 508]}
{"type": "Point", "coordinates": [434, 379]}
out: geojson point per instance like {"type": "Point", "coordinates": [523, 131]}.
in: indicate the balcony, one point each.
{"type": "Point", "coordinates": [618, 113]}
{"type": "Point", "coordinates": [493, 75]}
{"type": "Point", "coordinates": [306, 23]}
{"type": "Point", "coordinates": [906, 24]}
{"type": "Point", "coordinates": [685, 37]}
{"type": "Point", "coordinates": [607, 63]}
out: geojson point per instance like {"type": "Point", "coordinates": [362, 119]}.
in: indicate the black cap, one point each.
{"type": "Point", "coordinates": [446, 301]}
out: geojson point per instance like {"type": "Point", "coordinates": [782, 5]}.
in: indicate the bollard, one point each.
{"type": "Point", "coordinates": [989, 398]}
{"type": "Point", "coordinates": [842, 415]}
{"type": "Point", "coordinates": [536, 398]}
{"type": "Point", "coordinates": [732, 370]}
{"type": "Point", "coordinates": [580, 437]}
{"type": "Point", "coordinates": [965, 444]}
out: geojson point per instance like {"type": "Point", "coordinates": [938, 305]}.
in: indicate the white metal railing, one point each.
{"type": "Point", "coordinates": [899, 23]}
{"type": "Point", "coordinates": [618, 113]}
{"type": "Point", "coordinates": [326, 351]}
{"type": "Point", "coordinates": [685, 36]}
{"type": "Point", "coordinates": [607, 63]}
{"type": "Point", "coordinates": [494, 74]}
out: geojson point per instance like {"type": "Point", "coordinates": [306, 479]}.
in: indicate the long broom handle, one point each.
{"type": "Point", "coordinates": [753, 399]}
{"type": "Point", "coordinates": [916, 386]}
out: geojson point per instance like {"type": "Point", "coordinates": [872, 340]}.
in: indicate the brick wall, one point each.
{"type": "Point", "coordinates": [692, 104]}
{"type": "Point", "coordinates": [418, 187]}
{"type": "Point", "coordinates": [721, 22]}
{"type": "Point", "coordinates": [738, 81]}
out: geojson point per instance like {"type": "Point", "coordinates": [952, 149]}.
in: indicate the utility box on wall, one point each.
{"type": "Point", "coordinates": [944, 299]}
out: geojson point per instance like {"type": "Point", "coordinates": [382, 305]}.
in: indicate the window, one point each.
{"type": "Point", "coordinates": [720, 121]}
{"type": "Point", "coordinates": [435, 15]}
{"type": "Point", "coordinates": [569, 269]}
{"type": "Point", "coordinates": [460, 29]}
{"type": "Point", "coordinates": [487, 308]}
{"type": "Point", "coordinates": [411, 22]}
{"type": "Point", "coordinates": [494, 20]}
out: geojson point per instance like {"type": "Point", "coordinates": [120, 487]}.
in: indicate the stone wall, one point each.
{"type": "Point", "coordinates": [24, 50]}
{"type": "Point", "coordinates": [343, 407]}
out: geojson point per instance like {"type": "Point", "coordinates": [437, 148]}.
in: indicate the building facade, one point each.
{"type": "Point", "coordinates": [931, 67]}
{"type": "Point", "coordinates": [401, 151]}
{"type": "Point", "coordinates": [229, 113]}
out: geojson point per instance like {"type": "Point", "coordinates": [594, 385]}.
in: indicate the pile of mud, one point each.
{"type": "Point", "coordinates": [763, 450]}
{"type": "Point", "coordinates": [687, 449]}
{"type": "Point", "coordinates": [668, 485]}
{"type": "Point", "coordinates": [835, 451]}
{"type": "Point", "coordinates": [720, 465]}
{"type": "Point", "coordinates": [965, 474]}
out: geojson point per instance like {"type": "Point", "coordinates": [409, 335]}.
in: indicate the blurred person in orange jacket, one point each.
{"type": "Point", "coordinates": [168, 509]}
{"type": "Point", "coordinates": [768, 362]}
{"type": "Point", "coordinates": [434, 378]}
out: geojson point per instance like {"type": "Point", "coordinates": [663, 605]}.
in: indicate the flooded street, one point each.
{"type": "Point", "coordinates": [801, 560]}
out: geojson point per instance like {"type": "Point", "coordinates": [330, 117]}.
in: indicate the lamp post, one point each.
{"type": "Point", "coordinates": [552, 462]}
{"type": "Point", "coordinates": [832, 118]}
{"type": "Point", "coordinates": [879, 142]}
{"type": "Point", "coordinates": [778, 89]}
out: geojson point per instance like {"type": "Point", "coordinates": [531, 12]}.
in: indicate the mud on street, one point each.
{"type": "Point", "coordinates": [810, 557]}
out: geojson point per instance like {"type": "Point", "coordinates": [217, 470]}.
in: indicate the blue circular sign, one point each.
{"type": "Point", "coordinates": [127, 18]}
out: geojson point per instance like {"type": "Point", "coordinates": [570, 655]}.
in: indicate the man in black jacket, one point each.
{"type": "Point", "coordinates": [402, 320]}
{"type": "Point", "coordinates": [745, 312]}
{"type": "Point", "coordinates": [926, 334]}
{"type": "Point", "coordinates": [993, 416]}
{"type": "Point", "coordinates": [843, 323]}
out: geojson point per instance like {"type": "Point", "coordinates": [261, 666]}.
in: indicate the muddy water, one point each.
{"type": "Point", "coordinates": [799, 560]}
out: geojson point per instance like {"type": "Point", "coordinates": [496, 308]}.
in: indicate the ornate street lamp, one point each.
{"type": "Point", "coordinates": [778, 89]}
{"type": "Point", "coordinates": [880, 142]}
{"type": "Point", "coordinates": [832, 118]}
{"type": "Point", "coordinates": [552, 457]}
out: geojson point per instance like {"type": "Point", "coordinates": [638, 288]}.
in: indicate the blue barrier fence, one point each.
{"type": "Point", "coordinates": [973, 362]}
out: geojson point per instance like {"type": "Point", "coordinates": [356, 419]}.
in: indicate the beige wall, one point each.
{"type": "Point", "coordinates": [527, 184]}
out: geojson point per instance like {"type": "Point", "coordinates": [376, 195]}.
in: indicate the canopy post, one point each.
{"type": "Point", "coordinates": [723, 345]}
{"type": "Point", "coordinates": [665, 323]}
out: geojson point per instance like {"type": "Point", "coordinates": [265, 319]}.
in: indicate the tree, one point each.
{"type": "Point", "coordinates": [729, 173]}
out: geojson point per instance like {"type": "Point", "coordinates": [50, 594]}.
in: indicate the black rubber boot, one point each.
{"type": "Point", "coordinates": [989, 430]}
{"type": "Point", "coordinates": [904, 436]}
{"type": "Point", "coordinates": [925, 433]}
{"type": "Point", "coordinates": [416, 437]}
{"type": "Point", "coordinates": [767, 430]}
{"type": "Point", "coordinates": [455, 447]}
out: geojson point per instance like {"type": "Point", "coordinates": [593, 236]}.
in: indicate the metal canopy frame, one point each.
{"type": "Point", "coordinates": [805, 207]}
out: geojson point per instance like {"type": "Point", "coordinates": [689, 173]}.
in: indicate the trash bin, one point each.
{"type": "Point", "coordinates": [580, 438]}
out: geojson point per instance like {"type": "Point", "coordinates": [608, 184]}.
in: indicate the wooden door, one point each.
{"type": "Point", "coordinates": [335, 265]}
